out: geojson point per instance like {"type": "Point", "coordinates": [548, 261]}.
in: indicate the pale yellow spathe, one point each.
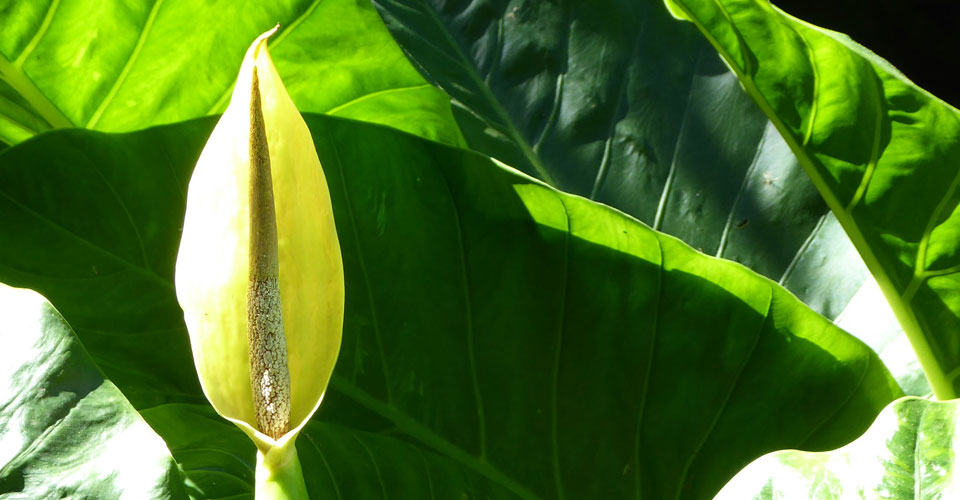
{"type": "Point", "coordinates": [212, 267]}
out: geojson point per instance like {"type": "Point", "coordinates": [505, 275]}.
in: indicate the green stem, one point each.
{"type": "Point", "coordinates": [279, 476]}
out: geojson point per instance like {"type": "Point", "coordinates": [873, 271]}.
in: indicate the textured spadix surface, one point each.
{"type": "Point", "coordinates": [213, 266]}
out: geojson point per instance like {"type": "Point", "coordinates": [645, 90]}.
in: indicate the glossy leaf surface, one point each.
{"type": "Point", "coordinates": [120, 66]}
{"type": "Point", "coordinates": [66, 431]}
{"type": "Point", "coordinates": [884, 154]}
{"type": "Point", "coordinates": [501, 329]}
{"type": "Point", "coordinates": [616, 101]}
{"type": "Point", "coordinates": [908, 453]}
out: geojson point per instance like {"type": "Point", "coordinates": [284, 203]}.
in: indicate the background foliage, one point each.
{"type": "Point", "coordinates": [499, 331]}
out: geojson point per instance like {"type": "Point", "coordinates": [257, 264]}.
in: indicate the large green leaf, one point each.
{"type": "Point", "coordinates": [119, 66]}
{"type": "Point", "coordinates": [908, 454]}
{"type": "Point", "coordinates": [884, 154]}
{"type": "Point", "coordinates": [65, 431]}
{"type": "Point", "coordinates": [502, 329]}
{"type": "Point", "coordinates": [615, 101]}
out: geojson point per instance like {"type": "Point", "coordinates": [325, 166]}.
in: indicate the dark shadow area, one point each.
{"type": "Point", "coordinates": [917, 36]}
{"type": "Point", "coordinates": [92, 221]}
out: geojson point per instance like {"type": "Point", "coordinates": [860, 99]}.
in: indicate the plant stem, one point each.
{"type": "Point", "coordinates": [279, 476]}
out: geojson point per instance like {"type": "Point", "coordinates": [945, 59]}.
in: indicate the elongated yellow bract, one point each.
{"type": "Point", "coordinates": [259, 274]}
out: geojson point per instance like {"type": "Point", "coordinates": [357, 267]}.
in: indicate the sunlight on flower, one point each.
{"type": "Point", "coordinates": [259, 273]}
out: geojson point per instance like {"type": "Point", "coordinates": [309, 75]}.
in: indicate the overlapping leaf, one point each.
{"type": "Point", "coordinates": [616, 101]}
{"type": "Point", "coordinates": [499, 329]}
{"type": "Point", "coordinates": [65, 431]}
{"type": "Point", "coordinates": [908, 453]}
{"type": "Point", "coordinates": [884, 154]}
{"type": "Point", "coordinates": [121, 66]}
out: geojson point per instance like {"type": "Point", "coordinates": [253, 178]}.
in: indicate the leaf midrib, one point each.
{"type": "Point", "coordinates": [427, 436]}
{"type": "Point", "coordinates": [24, 85]}
{"type": "Point", "coordinates": [512, 130]}
{"type": "Point", "coordinates": [18, 79]}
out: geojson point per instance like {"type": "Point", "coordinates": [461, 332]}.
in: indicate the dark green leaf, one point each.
{"type": "Point", "coordinates": [94, 226]}
{"type": "Point", "coordinates": [502, 329]}
{"type": "Point", "coordinates": [907, 454]}
{"type": "Point", "coordinates": [121, 66]}
{"type": "Point", "coordinates": [884, 154]}
{"type": "Point", "coordinates": [615, 101]}
{"type": "Point", "coordinates": [339, 461]}
{"type": "Point", "coordinates": [65, 431]}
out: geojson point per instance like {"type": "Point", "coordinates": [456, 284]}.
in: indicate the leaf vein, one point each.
{"type": "Point", "coordinates": [372, 95]}
{"type": "Point", "coordinates": [496, 106]}
{"type": "Point", "coordinates": [41, 31]}
{"type": "Point", "coordinates": [649, 370]}
{"type": "Point", "coordinates": [726, 400]}
{"type": "Point", "coordinates": [326, 465]}
{"type": "Point", "coordinates": [468, 313]}
{"type": "Point", "coordinates": [363, 268]}
{"type": "Point", "coordinates": [415, 430]}
{"type": "Point", "coordinates": [561, 326]}
{"type": "Point", "coordinates": [672, 173]}
{"type": "Point", "coordinates": [142, 270]}
{"type": "Point", "coordinates": [616, 116]}
{"type": "Point", "coordinates": [126, 212]}
{"type": "Point", "coordinates": [128, 66]}
{"type": "Point", "coordinates": [874, 151]}
{"type": "Point", "coordinates": [373, 461]}
{"type": "Point", "coordinates": [740, 192]}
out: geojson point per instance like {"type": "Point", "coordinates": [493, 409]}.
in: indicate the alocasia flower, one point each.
{"type": "Point", "coordinates": [259, 274]}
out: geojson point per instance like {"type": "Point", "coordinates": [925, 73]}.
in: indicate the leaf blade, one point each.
{"type": "Point", "coordinates": [513, 250]}
{"type": "Point", "coordinates": [57, 403]}
{"type": "Point", "coordinates": [117, 67]}
{"type": "Point", "coordinates": [618, 103]}
{"type": "Point", "coordinates": [866, 176]}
